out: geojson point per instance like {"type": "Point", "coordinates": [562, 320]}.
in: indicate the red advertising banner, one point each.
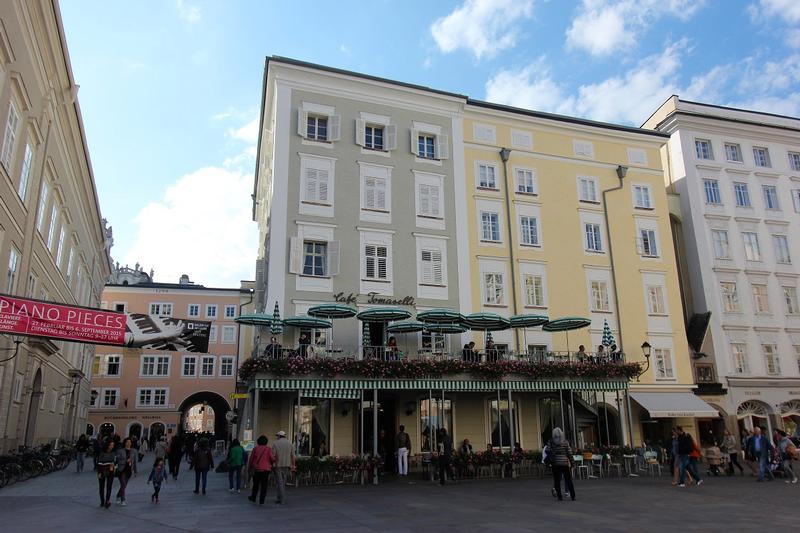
{"type": "Point", "coordinates": [22, 316]}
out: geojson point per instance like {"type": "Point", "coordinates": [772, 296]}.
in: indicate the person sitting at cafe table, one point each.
{"type": "Point", "coordinates": [581, 354]}
{"type": "Point", "coordinates": [491, 352]}
{"type": "Point", "coordinates": [468, 353]}
{"type": "Point", "coordinates": [273, 350]}
{"type": "Point", "coordinates": [302, 345]}
{"type": "Point", "coordinates": [601, 353]}
{"type": "Point", "coordinates": [391, 349]}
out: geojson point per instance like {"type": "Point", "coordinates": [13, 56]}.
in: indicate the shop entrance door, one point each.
{"type": "Point", "coordinates": [387, 427]}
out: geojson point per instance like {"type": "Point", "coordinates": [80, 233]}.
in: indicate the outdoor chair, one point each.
{"type": "Point", "coordinates": [652, 464]}
{"type": "Point", "coordinates": [630, 465]}
{"type": "Point", "coordinates": [579, 467]}
{"type": "Point", "coordinates": [611, 465]}
{"type": "Point", "coordinates": [597, 465]}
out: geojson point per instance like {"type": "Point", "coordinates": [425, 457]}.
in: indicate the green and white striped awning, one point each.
{"type": "Point", "coordinates": [332, 394]}
{"type": "Point", "coordinates": [325, 386]}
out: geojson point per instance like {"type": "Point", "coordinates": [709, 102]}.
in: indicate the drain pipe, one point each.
{"type": "Point", "coordinates": [504, 155]}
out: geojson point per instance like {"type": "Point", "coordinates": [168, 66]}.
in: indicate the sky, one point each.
{"type": "Point", "coordinates": [170, 90]}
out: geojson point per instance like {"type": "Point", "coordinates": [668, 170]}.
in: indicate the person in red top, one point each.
{"type": "Point", "coordinates": [260, 463]}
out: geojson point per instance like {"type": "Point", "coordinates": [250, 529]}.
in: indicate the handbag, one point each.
{"type": "Point", "coordinates": [141, 456]}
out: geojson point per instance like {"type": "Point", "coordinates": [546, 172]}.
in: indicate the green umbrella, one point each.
{"type": "Point", "coordinates": [307, 322]}
{"type": "Point", "coordinates": [383, 314]}
{"type": "Point", "coordinates": [409, 326]}
{"type": "Point", "coordinates": [527, 321]}
{"type": "Point", "coordinates": [331, 311]}
{"type": "Point", "coordinates": [567, 324]}
{"type": "Point", "coordinates": [608, 337]}
{"type": "Point", "coordinates": [440, 316]}
{"type": "Point", "coordinates": [486, 322]}
{"type": "Point", "coordinates": [277, 326]}
{"type": "Point", "coordinates": [254, 319]}
{"type": "Point", "coordinates": [445, 328]}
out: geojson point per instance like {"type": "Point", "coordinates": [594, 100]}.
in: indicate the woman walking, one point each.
{"type": "Point", "coordinates": [202, 463]}
{"type": "Point", "coordinates": [174, 455]}
{"type": "Point", "coordinates": [729, 447]}
{"type": "Point", "coordinates": [125, 460]}
{"type": "Point", "coordinates": [235, 463]}
{"type": "Point", "coordinates": [560, 455]}
{"type": "Point", "coordinates": [260, 463]}
{"type": "Point", "coordinates": [106, 460]}
{"type": "Point", "coordinates": [158, 475]}
{"type": "Point", "coordinates": [81, 447]}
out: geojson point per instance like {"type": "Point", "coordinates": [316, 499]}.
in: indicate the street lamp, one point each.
{"type": "Point", "coordinates": [646, 350]}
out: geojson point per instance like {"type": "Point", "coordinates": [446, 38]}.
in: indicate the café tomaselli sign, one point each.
{"type": "Point", "coordinates": [372, 298]}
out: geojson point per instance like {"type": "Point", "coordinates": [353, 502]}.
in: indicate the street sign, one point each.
{"type": "Point", "coordinates": [238, 396]}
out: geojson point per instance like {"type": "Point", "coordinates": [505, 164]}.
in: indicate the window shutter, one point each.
{"type": "Point", "coordinates": [333, 258]}
{"type": "Point", "coordinates": [302, 123]}
{"type": "Point", "coordinates": [334, 127]}
{"type": "Point", "coordinates": [380, 193]}
{"type": "Point", "coordinates": [414, 142]}
{"type": "Point", "coordinates": [390, 137]}
{"type": "Point", "coordinates": [360, 134]}
{"type": "Point", "coordinates": [442, 147]}
{"type": "Point", "coordinates": [424, 199]}
{"type": "Point", "coordinates": [433, 191]}
{"type": "Point", "coordinates": [382, 267]}
{"type": "Point", "coordinates": [295, 255]}
{"type": "Point", "coordinates": [369, 192]}
{"type": "Point", "coordinates": [369, 256]}
{"type": "Point", "coordinates": [322, 183]}
{"type": "Point", "coordinates": [436, 258]}
{"type": "Point", "coordinates": [311, 185]}
{"type": "Point", "coordinates": [427, 266]}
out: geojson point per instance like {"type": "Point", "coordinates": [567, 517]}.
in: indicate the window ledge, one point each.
{"type": "Point", "coordinates": [666, 379]}
{"type": "Point", "coordinates": [381, 150]}
{"type": "Point", "coordinates": [493, 189]}
{"type": "Point", "coordinates": [313, 276]}
{"type": "Point", "coordinates": [595, 252]}
{"type": "Point", "coordinates": [430, 217]}
{"type": "Point", "coordinates": [432, 285]}
{"type": "Point", "coordinates": [535, 307]}
{"type": "Point", "coordinates": [321, 204]}
{"type": "Point", "coordinates": [530, 245]}
{"type": "Point", "coordinates": [643, 208]}
{"type": "Point", "coordinates": [491, 242]}
{"type": "Point", "coordinates": [658, 314]}
{"type": "Point", "coordinates": [593, 202]}
{"type": "Point", "coordinates": [523, 193]}
{"type": "Point", "coordinates": [376, 280]}
{"type": "Point", "coordinates": [602, 311]}
{"type": "Point", "coordinates": [371, 210]}
{"type": "Point", "coordinates": [495, 305]}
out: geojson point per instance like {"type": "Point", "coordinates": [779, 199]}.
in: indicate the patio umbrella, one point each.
{"type": "Point", "coordinates": [254, 319]}
{"type": "Point", "coordinates": [276, 328]}
{"type": "Point", "coordinates": [365, 336]}
{"type": "Point", "coordinates": [383, 314]}
{"type": "Point", "coordinates": [331, 311]}
{"type": "Point", "coordinates": [440, 316]}
{"type": "Point", "coordinates": [407, 326]}
{"type": "Point", "coordinates": [486, 322]}
{"type": "Point", "coordinates": [444, 329]}
{"type": "Point", "coordinates": [307, 322]}
{"type": "Point", "coordinates": [527, 321]}
{"type": "Point", "coordinates": [566, 324]}
{"type": "Point", "coordinates": [608, 337]}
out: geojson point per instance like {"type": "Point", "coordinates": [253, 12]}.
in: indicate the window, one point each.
{"type": "Point", "coordinates": [587, 189]}
{"type": "Point", "coordinates": [94, 398]}
{"type": "Point", "coordinates": [742, 195]}
{"type": "Point", "coordinates": [207, 366]}
{"type": "Point", "coordinates": [433, 342]}
{"type": "Point", "coordinates": [641, 194]}
{"type": "Point", "coordinates": [761, 156]}
{"type": "Point", "coordinates": [70, 261]}
{"type": "Point", "coordinates": [790, 299]}
{"type": "Point", "coordinates": [663, 366]}
{"type": "Point", "coordinates": [317, 128]}
{"type": "Point", "coordinates": [226, 366]}
{"type": "Point", "coordinates": [110, 397]}
{"type": "Point", "coordinates": [42, 207]}
{"type": "Point", "coordinates": [432, 268]}
{"type": "Point", "coordinates": [781, 243]}
{"type": "Point", "coordinates": [429, 200]}
{"type": "Point", "coordinates": [316, 186]}
{"type": "Point", "coordinates": [161, 309]}
{"type": "Point", "coordinates": [487, 176]}
{"type": "Point", "coordinates": [152, 398]}
{"type": "Point", "coordinates": [772, 361]}
{"type": "Point", "coordinates": [60, 248]}
{"type": "Point", "coordinates": [752, 251]}
{"type": "Point", "coordinates": [637, 156]}
{"type": "Point", "coordinates": [702, 148]}
{"type": "Point", "coordinates": [373, 137]}
{"type": "Point", "coordinates": [52, 229]}
{"type": "Point", "coordinates": [313, 426]}
{"type": "Point", "coordinates": [711, 188]}
{"type": "Point", "coordinates": [27, 161]}
{"type": "Point", "coordinates": [11, 277]}
{"type": "Point", "coordinates": [739, 355]}
{"type": "Point", "coordinates": [426, 146]}
{"type": "Point", "coordinates": [155, 365]}
{"type": "Point", "coordinates": [796, 199]}
{"type": "Point", "coordinates": [18, 385]}
{"type": "Point", "coordinates": [10, 137]}
{"type": "Point", "coordinates": [120, 307]}
{"type": "Point", "coordinates": [113, 365]}
{"type": "Point", "coordinates": [794, 160]}
{"type": "Point", "coordinates": [534, 290]}
{"type": "Point", "coordinates": [526, 182]}
{"type": "Point", "coordinates": [583, 148]}
{"type": "Point", "coordinates": [594, 242]}
{"type": "Point", "coordinates": [760, 298]}
{"type": "Point", "coordinates": [31, 293]}
{"type": "Point", "coordinates": [722, 248]}
{"type": "Point", "coordinates": [730, 298]}
{"type": "Point", "coordinates": [189, 368]}
{"type": "Point", "coordinates": [375, 261]}
{"type": "Point", "coordinates": [655, 300]}
{"type": "Point", "coordinates": [375, 193]}
{"type": "Point", "coordinates": [212, 333]}
{"type": "Point", "coordinates": [230, 311]}
{"type": "Point", "coordinates": [522, 139]}
{"type": "Point", "coordinates": [770, 197]}
{"type": "Point", "coordinates": [434, 414]}
{"type": "Point", "coordinates": [490, 227]}
{"type": "Point", "coordinates": [501, 428]}
{"type": "Point", "coordinates": [211, 311]}
{"type": "Point", "coordinates": [529, 231]}
{"type": "Point", "coordinates": [194, 310]}
{"type": "Point", "coordinates": [733, 152]}
{"type": "Point", "coordinates": [493, 288]}
{"type": "Point", "coordinates": [228, 334]}
{"type": "Point", "coordinates": [648, 246]}
{"type": "Point", "coordinates": [797, 355]}
{"type": "Point", "coordinates": [600, 296]}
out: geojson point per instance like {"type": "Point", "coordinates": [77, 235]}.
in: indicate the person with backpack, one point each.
{"type": "Point", "coordinates": [559, 456]}
{"type": "Point", "coordinates": [688, 452]}
{"type": "Point", "coordinates": [788, 452]}
{"type": "Point", "coordinates": [403, 443]}
{"type": "Point", "coordinates": [202, 462]}
{"type": "Point", "coordinates": [260, 464]}
{"type": "Point", "coordinates": [235, 461]}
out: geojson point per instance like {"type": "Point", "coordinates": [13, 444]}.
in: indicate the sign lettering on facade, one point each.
{"type": "Point", "coordinates": [752, 393]}
{"type": "Point", "coordinates": [372, 298]}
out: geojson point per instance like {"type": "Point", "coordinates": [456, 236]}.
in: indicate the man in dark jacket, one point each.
{"type": "Point", "coordinates": [685, 448]}
{"type": "Point", "coordinates": [760, 448]}
{"type": "Point", "coordinates": [445, 454]}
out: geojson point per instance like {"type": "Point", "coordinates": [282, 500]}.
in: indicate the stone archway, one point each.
{"type": "Point", "coordinates": [790, 415]}
{"type": "Point", "coordinates": [210, 399]}
{"type": "Point", "coordinates": [751, 413]}
{"type": "Point", "coordinates": [33, 408]}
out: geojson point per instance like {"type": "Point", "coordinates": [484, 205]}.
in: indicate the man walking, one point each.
{"type": "Point", "coordinates": [403, 449]}
{"type": "Point", "coordinates": [685, 448]}
{"type": "Point", "coordinates": [761, 450]}
{"type": "Point", "coordinates": [787, 451]}
{"type": "Point", "coordinates": [284, 461]}
{"type": "Point", "coordinates": [445, 454]}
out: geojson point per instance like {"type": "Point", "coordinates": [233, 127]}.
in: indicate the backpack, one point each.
{"type": "Point", "coordinates": [792, 451]}
{"type": "Point", "coordinates": [695, 453]}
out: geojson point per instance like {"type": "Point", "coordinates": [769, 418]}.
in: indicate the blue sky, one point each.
{"type": "Point", "coordinates": [170, 89]}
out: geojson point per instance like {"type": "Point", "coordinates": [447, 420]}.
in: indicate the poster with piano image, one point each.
{"type": "Point", "coordinates": [50, 320]}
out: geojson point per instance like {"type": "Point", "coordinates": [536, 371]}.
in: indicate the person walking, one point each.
{"type": "Point", "coordinates": [729, 447]}
{"type": "Point", "coordinates": [158, 475]}
{"type": "Point", "coordinates": [686, 448]}
{"type": "Point", "coordinates": [174, 456]}
{"type": "Point", "coordinates": [787, 451]}
{"type": "Point", "coordinates": [260, 464]}
{"type": "Point", "coordinates": [559, 454]}
{"type": "Point", "coordinates": [235, 462]}
{"type": "Point", "coordinates": [284, 461]}
{"type": "Point", "coordinates": [81, 447]}
{"type": "Point", "coordinates": [160, 448]}
{"type": "Point", "coordinates": [760, 449]}
{"type": "Point", "coordinates": [675, 456]}
{"type": "Point", "coordinates": [97, 449]}
{"type": "Point", "coordinates": [445, 454]}
{"type": "Point", "coordinates": [202, 462]}
{"type": "Point", "coordinates": [106, 460]}
{"type": "Point", "coordinates": [125, 466]}
{"type": "Point", "coordinates": [403, 443]}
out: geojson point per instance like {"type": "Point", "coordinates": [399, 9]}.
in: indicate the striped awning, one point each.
{"type": "Point", "coordinates": [324, 386]}
{"type": "Point", "coordinates": [332, 394]}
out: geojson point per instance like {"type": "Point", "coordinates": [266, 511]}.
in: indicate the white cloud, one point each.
{"type": "Point", "coordinates": [530, 87]}
{"type": "Point", "coordinates": [201, 227]}
{"type": "Point", "coordinates": [788, 10]}
{"type": "Point", "coordinates": [247, 133]}
{"type": "Point", "coordinates": [792, 38]}
{"type": "Point", "coordinates": [343, 48]}
{"type": "Point", "coordinates": [606, 26]}
{"type": "Point", "coordinates": [189, 13]}
{"type": "Point", "coordinates": [484, 27]}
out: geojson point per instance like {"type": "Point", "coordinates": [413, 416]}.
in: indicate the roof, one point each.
{"type": "Point", "coordinates": [193, 287]}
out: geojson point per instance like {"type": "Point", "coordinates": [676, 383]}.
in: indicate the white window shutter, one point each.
{"type": "Point", "coordinates": [414, 142]}
{"type": "Point", "coordinates": [380, 194]}
{"type": "Point", "coordinates": [424, 199]}
{"type": "Point", "coordinates": [360, 134]}
{"type": "Point", "coordinates": [442, 147]}
{"type": "Point", "coordinates": [334, 127]}
{"type": "Point", "coordinates": [436, 263]}
{"type": "Point", "coordinates": [322, 180]}
{"type": "Point", "coordinates": [427, 266]}
{"type": "Point", "coordinates": [311, 185]}
{"type": "Point", "coordinates": [302, 122]}
{"type": "Point", "coordinates": [369, 192]}
{"type": "Point", "coordinates": [434, 201]}
{"type": "Point", "coordinates": [390, 137]}
{"type": "Point", "coordinates": [295, 255]}
{"type": "Point", "coordinates": [334, 248]}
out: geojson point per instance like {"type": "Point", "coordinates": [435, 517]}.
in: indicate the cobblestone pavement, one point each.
{"type": "Point", "coordinates": [66, 502]}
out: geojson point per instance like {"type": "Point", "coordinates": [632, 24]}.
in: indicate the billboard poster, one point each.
{"type": "Point", "coordinates": [37, 318]}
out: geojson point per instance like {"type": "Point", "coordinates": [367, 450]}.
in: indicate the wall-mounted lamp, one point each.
{"type": "Point", "coordinates": [622, 171]}
{"type": "Point", "coordinates": [504, 154]}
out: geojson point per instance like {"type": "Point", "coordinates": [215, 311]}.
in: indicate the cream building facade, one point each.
{"type": "Point", "coordinates": [53, 243]}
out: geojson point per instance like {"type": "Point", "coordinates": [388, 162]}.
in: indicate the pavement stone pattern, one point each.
{"type": "Point", "coordinates": [68, 502]}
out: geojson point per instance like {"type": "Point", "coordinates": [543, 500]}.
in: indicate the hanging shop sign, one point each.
{"type": "Point", "coordinates": [37, 318]}
{"type": "Point", "coordinates": [372, 298]}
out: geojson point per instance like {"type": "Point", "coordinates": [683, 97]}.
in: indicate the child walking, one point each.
{"type": "Point", "coordinates": [158, 475]}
